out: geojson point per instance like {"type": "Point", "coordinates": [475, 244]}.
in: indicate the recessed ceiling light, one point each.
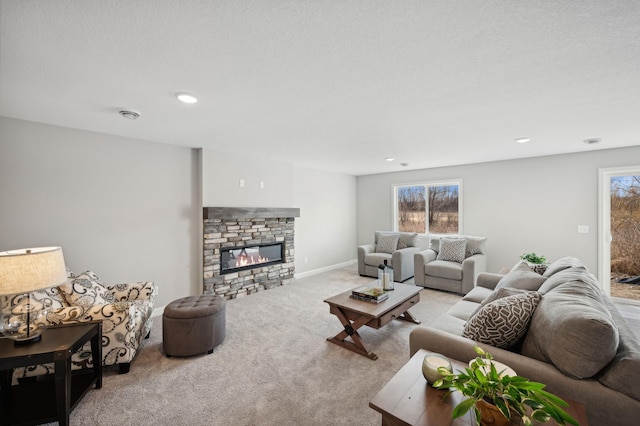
{"type": "Point", "coordinates": [187, 98]}
{"type": "Point", "coordinates": [404, 164]}
{"type": "Point", "coordinates": [523, 140]}
{"type": "Point", "coordinates": [592, 141]}
{"type": "Point", "coordinates": [389, 159]}
{"type": "Point", "coordinates": [131, 115]}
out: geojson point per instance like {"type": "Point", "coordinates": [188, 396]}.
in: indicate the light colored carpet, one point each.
{"type": "Point", "coordinates": [275, 366]}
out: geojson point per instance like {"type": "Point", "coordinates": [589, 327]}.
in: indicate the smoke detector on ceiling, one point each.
{"type": "Point", "coordinates": [131, 115]}
{"type": "Point", "coordinates": [592, 141]}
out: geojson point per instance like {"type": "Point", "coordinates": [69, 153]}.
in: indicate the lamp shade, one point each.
{"type": "Point", "coordinates": [26, 270]}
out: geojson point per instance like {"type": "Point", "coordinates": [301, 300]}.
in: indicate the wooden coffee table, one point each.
{"type": "Point", "coordinates": [354, 313]}
{"type": "Point", "coordinates": [407, 399]}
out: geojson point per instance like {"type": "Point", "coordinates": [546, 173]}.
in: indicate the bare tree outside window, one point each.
{"type": "Point", "coordinates": [625, 232]}
{"type": "Point", "coordinates": [428, 208]}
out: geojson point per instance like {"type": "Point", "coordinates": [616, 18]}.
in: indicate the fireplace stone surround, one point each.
{"type": "Point", "coordinates": [225, 227]}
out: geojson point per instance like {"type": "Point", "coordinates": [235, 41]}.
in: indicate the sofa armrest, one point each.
{"type": "Point", "coordinates": [141, 290]}
{"type": "Point", "coordinates": [488, 280]}
{"type": "Point", "coordinates": [402, 261]}
{"type": "Point", "coordinates": [362, 252]}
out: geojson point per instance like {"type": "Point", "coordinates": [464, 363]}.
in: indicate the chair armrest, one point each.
{"type": "Point", "coordinates": [423, 257]}
{"type": "Point", "coordinates": [141, 290]}
{"type": "Point", "coordinates": [471, 267]}
{"type": "Point", "coordinates": [402, 262]}
{"type": "Point", "coordinates": [362, 252]}
{"type": "Point", "coordinates": [488, 280]}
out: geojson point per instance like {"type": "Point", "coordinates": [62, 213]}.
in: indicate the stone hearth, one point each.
{"type": "Point", "coordinates": [239, 227]}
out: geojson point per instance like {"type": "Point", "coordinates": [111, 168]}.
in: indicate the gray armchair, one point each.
{"type": "Point", "coordinates": [397, 248]}
{"type": "Point", "coordinates": [451, 263]}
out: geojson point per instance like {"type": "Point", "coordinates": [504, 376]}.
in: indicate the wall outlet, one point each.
{"type": "Point", "coordinates": [261, 185]}
{"type": "Point", "coordinates": [306, 260]}
{"type": "Point", "coordinates": [583, 229]}
{"type": "Point", "coordinates": [241, 183]}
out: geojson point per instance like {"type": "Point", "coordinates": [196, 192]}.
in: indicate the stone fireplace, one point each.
{"type": "Point", "coordinates": [247, 249]}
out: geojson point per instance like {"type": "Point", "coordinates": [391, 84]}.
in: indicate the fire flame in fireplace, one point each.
{"type": "Point", "coordinates": [250, 260]}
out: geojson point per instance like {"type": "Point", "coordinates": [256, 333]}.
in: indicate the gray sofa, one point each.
{"type": "Point", "coordinates": [574, 339]}
{"type": "Point", "coordinates": [445, 270]}
{"type": "Point", "coordinates": [399, 254]}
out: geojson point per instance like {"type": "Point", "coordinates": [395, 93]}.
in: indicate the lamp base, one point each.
{"type": "Point", "coordinates": [27, 340]}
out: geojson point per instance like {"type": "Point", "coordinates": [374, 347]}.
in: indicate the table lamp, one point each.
{"type": "Point", "coordinates": [21, 272]}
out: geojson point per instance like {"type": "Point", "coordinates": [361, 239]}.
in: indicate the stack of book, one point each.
{"type": "Point", "coordinates": [369, 294]}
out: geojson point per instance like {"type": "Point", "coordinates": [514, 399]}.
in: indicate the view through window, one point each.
{"type": "Point", "coordinates": [428, 208]}
{"type": "Point", "coordinates": [625, 233]}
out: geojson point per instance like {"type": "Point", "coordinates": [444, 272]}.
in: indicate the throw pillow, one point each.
{"type": "Point", "coordinates": [452, 249]}
{"type": "Point", "coordinates": [522, 277]}
{"type": "Point", "coordinates": [409, 240]}
{"type": "Point", "coordinates": [86, 290]}
{"type": "Point", "coordinates": [502, 322]}
{"type": "Point", "coordinates": [387, 243]}
{"type": "Point", "coordinates": [475, 245]}
{"type": "Point", "coordinates": [499, 294]}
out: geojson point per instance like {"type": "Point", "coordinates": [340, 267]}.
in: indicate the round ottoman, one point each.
{"type": "Point", "coordinates": [193, 325]}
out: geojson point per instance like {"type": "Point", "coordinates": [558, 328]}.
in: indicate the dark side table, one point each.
{"type": "Point", "coordinates": [33, 402]}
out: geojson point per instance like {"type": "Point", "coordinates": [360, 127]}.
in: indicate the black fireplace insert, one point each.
{"type": "Point", "coordinates": [233, 259]}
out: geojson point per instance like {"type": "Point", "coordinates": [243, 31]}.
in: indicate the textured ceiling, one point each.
{"type": "Point", "coordinates": [335, 85]}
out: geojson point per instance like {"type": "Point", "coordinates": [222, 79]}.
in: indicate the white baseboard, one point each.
{"type": "Point", "coordinates": [325, 269]}
{"type": "Point", "coordinates": [157, 311]}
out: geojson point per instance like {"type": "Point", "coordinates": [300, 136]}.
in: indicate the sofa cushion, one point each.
{"type": "Point", "coordinates": [475, 245]}
{"type": "Point", "coordinates": [573, 330]}
{"type": "Point", "coordinates": [521, 277]}
{"type": "Point", "coordinates": [444, 269]}
{"type": "Point", "coordinates": [623, 371]}
{"type": "Point", "coordinates": [377, 259]}
{"type": "Point", "coordinates": [387, 243]}
{"type": "Point", "coordinates": [86, 290]}
{"type": "Point", "coordinates": [562, 264]}
{"type": "Point", "coordinates": [478, 294]}
{"type": "Point", "coordinates": [570, 274]}
{"type": "Point", "coordinates": [452, 249]}
{"type": "Point", "coordinates": [504, 321]}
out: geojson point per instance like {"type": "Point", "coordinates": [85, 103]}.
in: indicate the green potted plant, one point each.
{"type": "Point", "coordinates": [486, 389]}
{"type": "Point", "coordinates": [537, 263]}
{"type": "Point", "coordinates": [534, 258]}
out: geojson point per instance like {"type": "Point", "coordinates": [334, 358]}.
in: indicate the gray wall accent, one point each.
{"type": "Point", "coordinates": [523, 205]}
{"type": "Point", "coordinates": [127, 209]}
{"type": "Point", "coordinates": [325, 231]}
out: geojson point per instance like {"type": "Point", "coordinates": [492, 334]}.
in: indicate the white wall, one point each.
{"type": "Point", "coordinates": [126, 209]}
{"type": "Point", "coordinates": [222, 172]}
{"type": "Point", "coordinates": [521, 206]}
{"type": "Point", "coordinates": [325, 231]}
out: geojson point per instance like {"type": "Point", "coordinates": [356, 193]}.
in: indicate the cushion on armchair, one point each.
{"type": "Point", "coordinates": [452, 249]}
{"type": "Point", "coordinates": [86, 289]}
{"type": "Point", "coordinates": [387, 243]}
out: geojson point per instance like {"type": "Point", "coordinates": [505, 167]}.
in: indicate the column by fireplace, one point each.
{"type": "Point", "coordinates": [247, 249]}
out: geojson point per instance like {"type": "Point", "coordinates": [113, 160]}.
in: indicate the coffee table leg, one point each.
{"type": "Point", "coordinates": [350, 330]}
{"type": "Point", "coordinates": [408, 316]}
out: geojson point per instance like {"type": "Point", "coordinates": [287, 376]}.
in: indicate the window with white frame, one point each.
{"type": "Point", "coordinates": [428, 208]}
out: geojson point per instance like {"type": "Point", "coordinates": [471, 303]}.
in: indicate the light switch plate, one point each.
{"type": "Point", "coordinates": [583, 229]}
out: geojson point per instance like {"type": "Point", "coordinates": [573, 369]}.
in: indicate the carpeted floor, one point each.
{"type": "Point", "coordinates": [275, 366]}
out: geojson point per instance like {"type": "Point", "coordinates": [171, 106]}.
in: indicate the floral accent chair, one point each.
{"type": "Point", "coordinates": [125, 311]}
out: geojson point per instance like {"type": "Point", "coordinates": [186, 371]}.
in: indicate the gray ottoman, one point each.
{"type": "Point", "coordinates": [193, 325]}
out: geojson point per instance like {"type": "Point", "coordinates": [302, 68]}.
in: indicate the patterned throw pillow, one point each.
{"type": "Point", "coordinates": [504, 321]}
{"type": "Point", "coordinates": [452, 249]}
{"type": "Point", "coordinates": [86, 290]}
{"type": "Point", "coordinates": [387, 243]}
